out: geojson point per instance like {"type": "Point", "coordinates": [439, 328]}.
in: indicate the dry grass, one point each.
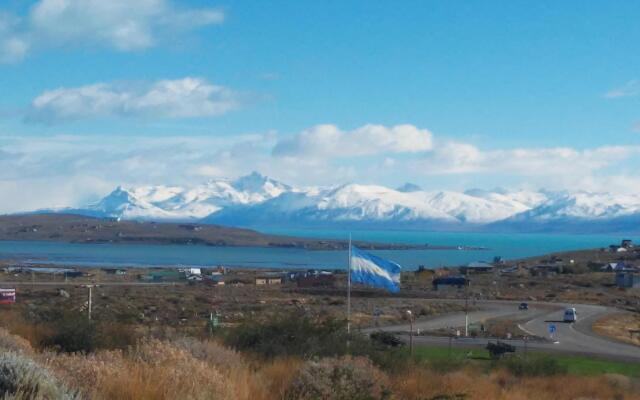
{"type": "Point", "coordinates": [617, 327]}
{"type": "Point", "coordinates": [14, 343]}
{"type": "Point", "coordinates": [184, 369]}
{"type": "Point", "coordinates": [470, 383]}
{"type": "Point", "coordinates": [187, 368]}
{"type": "Point", "coordinates": [14, 323]}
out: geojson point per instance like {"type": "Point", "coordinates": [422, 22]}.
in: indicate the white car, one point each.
{"type": "Point", "coordinates": [570, 315]}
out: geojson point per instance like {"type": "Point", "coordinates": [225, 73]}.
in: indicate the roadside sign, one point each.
{"type": "Point", "coordinates": [553, 332]}
{"type": "Point", "coordinates": [7, 296]}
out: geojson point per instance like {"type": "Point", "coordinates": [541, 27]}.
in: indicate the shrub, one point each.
{"type": "Point", "coordinates": [538, 365]}
{"type": "Point", "coordinates": [151, 370]}
{"type": "Point", "coordinates": [338, 379]}
{"type": "Point", "coordinates": [73, 333]}
{"type": "Point", "coordinates": [9, 342]}
{"type": "Point", "coordinates": [290, 335]}
{"type": "Point", "coordinates": [298, 335]}
{"type": "Point", "coordinates": [21, 378]}
{"type": "Point", "coordinates": [386, 338]}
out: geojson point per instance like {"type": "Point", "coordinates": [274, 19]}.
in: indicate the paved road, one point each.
{"type": "Point", "coordinates": [74, 283]}
{"type": "Point", "coordinates": [575, 338]}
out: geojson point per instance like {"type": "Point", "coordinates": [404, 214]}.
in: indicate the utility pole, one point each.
{"type": "Point", "coordinates": [89, 308]}
{"type": "Point", "coordinates": [466, 304]}
{"type": "Point", "coordinates": [410, 314]}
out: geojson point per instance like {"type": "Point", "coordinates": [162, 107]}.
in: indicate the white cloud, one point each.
{"type": "Point", "coordinates": [39, 172]}
{"type": "Point", "coordinates": [123, 25]}
{"type": "Point", "coordinates": [631, 88]}
{"type": "Point", "coordinates": [464, 158]}
{"type": "Point", "coordinates": [181, 98]}
{"type": "Point", "coordinates": [328, 141]}
{"type": "Point", "coordinates": [12, 47]}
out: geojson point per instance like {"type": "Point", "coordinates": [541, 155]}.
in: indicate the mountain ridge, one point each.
{"type": "Point", "coordinates": [256, 200]}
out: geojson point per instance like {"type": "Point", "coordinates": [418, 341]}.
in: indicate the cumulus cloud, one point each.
{"type": "Point", "coordinates": [329, 141]}
{"type": "Point", "coordinates": [631, 88]}
{"type": "Point", "coordinates": [39, 172]}
{"type": "Point", "coordinates": [12, 47]}
{"type": "Point", "coordinates": [119, 24]}
{"type": "Point", "coordinates": [464, 158]}
{"type": "Point", "coordinates": [181, 98]}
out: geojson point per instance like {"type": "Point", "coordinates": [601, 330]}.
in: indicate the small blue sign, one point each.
{"type": "Point", "coordinates": [552, 329]}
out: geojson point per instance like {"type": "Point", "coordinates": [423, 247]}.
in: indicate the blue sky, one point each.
{"type": "Point", "coordinates": [448, 95]}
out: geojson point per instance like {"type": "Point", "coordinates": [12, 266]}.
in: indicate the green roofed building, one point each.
{"type": "Point", "coordinates": [164, 275]}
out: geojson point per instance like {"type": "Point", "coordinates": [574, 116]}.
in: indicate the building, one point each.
{"type": "Point", "coordinates": [616, 267]}
{"type": "Point", "coordinates": [628, 280]}
{"type": "Point", "coordinates": [163, 275]}
{"type": "Point", "coordinates": [268, 280]}
{"type": "Point", "coordinates": [477, 266]}
{"type": "Point", "coordinates": [7, 296]}
{"type": "Point", "coordinates": [115, 271]}
{"type": "Point", "coordinates": [546, 270]}
{"type": "Point", "coordinates": [448, 281]}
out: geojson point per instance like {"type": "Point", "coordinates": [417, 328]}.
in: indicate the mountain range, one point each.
{"type": "Point", "coordinates": [259, 201]}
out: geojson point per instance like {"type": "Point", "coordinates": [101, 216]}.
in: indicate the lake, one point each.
{"type": "Point", "coordinates": [508, 246]}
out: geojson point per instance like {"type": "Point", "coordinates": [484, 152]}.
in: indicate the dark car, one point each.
{"type": "Point", "coordinates": [523, 306]}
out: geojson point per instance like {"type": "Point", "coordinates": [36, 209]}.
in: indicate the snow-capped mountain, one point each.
{"type": "Point", "coordinates": [256, 200]}
{"type": "Point", "coordinates": [180, 203]}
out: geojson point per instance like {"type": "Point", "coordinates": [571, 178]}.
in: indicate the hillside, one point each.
{"type": "Point", "coordinates": [83, 229]}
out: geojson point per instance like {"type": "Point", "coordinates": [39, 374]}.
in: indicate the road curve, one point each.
{"type": "Point", "coordinates": [577, 338]}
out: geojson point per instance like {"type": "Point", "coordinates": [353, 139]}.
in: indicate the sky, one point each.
{"type": "Point", "coordinates": [447, 95]}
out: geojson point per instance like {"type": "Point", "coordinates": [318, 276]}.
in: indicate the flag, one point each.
{"type": "Point", "coordinates": [374, 271]}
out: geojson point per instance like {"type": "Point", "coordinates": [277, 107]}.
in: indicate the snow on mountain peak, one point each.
{"type": "Point", "coordinates": [257, 200]}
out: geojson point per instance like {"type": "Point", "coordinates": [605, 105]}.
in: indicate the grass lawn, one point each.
{"type": "Point", "coordinates": [576, 365]}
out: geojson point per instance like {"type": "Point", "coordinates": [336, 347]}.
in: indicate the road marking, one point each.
{"type": "Point", "coordinates": [526, 330]}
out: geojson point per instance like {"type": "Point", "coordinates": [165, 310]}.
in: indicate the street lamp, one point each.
{"type": "Point", "coordinates": [410, 315]}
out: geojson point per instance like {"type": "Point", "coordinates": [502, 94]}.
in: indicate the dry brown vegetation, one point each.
{"type": "Point", "coordinates": [618, 326]}
{"type": "Point", "coordinates": [189, 368]}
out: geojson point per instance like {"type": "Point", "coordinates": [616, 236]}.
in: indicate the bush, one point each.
{"type": "Point", "coordinates": [291, 335]}
{"type": "Point", "coordinates": [73, 333]}
{"type": "Point", "coordinates": [531, 365]}
{"type": "Point", "coordinates": [9, 342]}
{"type": "Point", "coordinates": [339, 379]}
{"type": "Point", "coordinates": [21, 378]}
{"type": "Point", "coordinates": [298, 335]}
{"type": "Point", "coordinates": [386, 338]}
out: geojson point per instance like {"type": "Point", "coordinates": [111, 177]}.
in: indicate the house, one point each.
{"type": "Point", "coordinates": [628, 280]}
{"type": "Point", "coordinates": [163, 275]}
{"type": "Point", "coordinates": [626, 243]}
{"type": "Point", "coordinates": [443, 282]}
{"type": "Point", "coordinates": [115, 271]}
{"type": "Point", "coordinates": [477, 266]}
{"type": "Point", "coordinates": [510, 270]}
{"type": "Point", "coordinates": [546, 270]}
{"type": "Point", "coordinates": [191, 271]}
{"type": "Point", "coordinates": [616, 266]}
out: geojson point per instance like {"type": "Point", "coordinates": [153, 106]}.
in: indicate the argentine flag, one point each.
{"type": "Point", "coordinates": [374, 271]}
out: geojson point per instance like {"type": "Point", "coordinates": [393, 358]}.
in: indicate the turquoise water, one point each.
{"type": "Point", "coordinates": [508, 246]}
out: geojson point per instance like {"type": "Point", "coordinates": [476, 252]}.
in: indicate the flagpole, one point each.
{"type": "Point", "coordinates": [349, 291]}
